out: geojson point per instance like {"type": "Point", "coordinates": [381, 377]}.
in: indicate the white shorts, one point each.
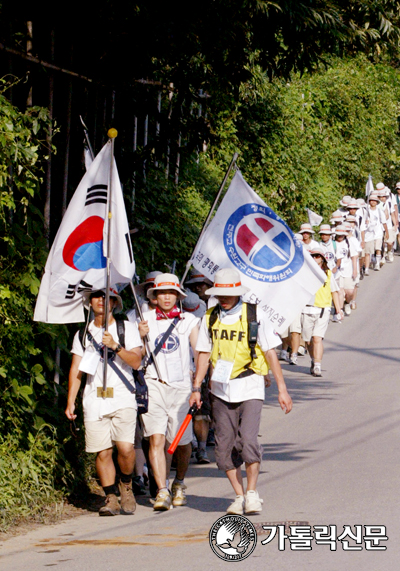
{"type": "Point", "coordinates": [295, 327]}
{"type": "Point", "coordinates": [168, 407]}
{"type": "Point", "coordinates": [339, 279]}
{"type": "Point", "coordinates": [118, 426]}
{"type": "Point", "coordinates": [314, 325]}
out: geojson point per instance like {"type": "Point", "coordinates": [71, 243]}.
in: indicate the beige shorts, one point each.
{"type": "Point", "coordinates": [372, 246]}
{"type": "Point", "coordinates": [349, 283]}
{"type": "Point", "coordinates": [392, 236]}
{"type": "Point", "coordinates": [314, 325]}
{"type": "Point", "coordinates": [118, 426]}
{"type": "Point", "coordinates": [168, 408]}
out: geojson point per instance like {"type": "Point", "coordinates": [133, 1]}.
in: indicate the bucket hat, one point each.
{"type": "Point", "coordinates": [163, 282]}
{"type": "Point", "coordinates": [227, 282]}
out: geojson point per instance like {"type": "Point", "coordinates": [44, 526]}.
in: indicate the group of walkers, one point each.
{"type": "Point", "coordinates": [362, 235]}
{"type": "Point", "coordinates": [202, 346]}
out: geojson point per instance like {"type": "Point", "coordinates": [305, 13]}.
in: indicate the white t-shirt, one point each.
{"type": "Point", "coordinates": [246, 388]}
{"type": "Point", "coordinates": [173, 359]}
{"type": "Point", "coordinates": [375, 221]}
{"type": "Point", "coordinates": [387, 208]}
{"type": "Point", "coordinates": [94, 407]}
{"type": "Point", "coordinates": [330, 253]}
{"type": "Point", "coordinates": [346, 250]}
{"type": "Point", "coordinates": [311, 245]}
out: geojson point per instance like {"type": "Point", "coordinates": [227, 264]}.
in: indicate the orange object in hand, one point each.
{"type": "Point", "coordinates": [184, 425]}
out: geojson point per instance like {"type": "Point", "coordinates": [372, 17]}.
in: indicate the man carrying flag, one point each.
{"type": "Point", "coordinates": [110, 420]}
{"type": "Point", "coordinates": [236, 338]}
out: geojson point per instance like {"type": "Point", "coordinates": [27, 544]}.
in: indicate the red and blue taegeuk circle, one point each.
{"type": "Point", "coordinates": [83, 249]}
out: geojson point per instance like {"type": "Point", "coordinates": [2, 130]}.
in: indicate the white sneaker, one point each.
{"type": "Point", "coordinates": [236, 507]}
{"type": "Point", "coordinates": [337, 318]}
{"type": "Point", "coordinates": [301, 351]}
{"type": "Point", "coordinates": [317, 370]}
{"type": "Point", "coordinates": [390, 257]}
{"type": "Point", "coordinates": [366, 272]}
{"type": "Point", "coordinates": [284, 355]}
{"type": "Point", "coordinates": [253, 503]}
{"type": "Point", "coordinates": [353, 304]}
{"type": "Point", "coordinates": [347, 309]}
{"type": "Point", "coordinates": [293, 359]}
{"type": "Point", "coordinates": [377, 267]}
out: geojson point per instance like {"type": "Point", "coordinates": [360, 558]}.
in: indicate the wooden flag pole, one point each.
{"type": "Point", "coordinates": [207, 221]}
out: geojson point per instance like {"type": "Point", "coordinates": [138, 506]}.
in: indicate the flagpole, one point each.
{"type": "Point", "coordinates": [112, 133]}
{"type": "Point", "coordinates": [146, 339]}
{"type": "Point", "coordinates": [86, 132]}
{"type": "Point", "coordinates": [207, 221]}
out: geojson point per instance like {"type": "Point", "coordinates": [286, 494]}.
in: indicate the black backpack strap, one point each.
{"type": "Point", "coordinates": [213, 318]}
{"type": "Point", "coordinates": [121, 331]}
{"type": "Point", "coordinates": [252, 328]}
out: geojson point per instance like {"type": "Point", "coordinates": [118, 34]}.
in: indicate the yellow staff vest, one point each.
{"type": "Point", "coordinates": [323, 297]}
{"type": "Point", "coordinates": [230, 343]}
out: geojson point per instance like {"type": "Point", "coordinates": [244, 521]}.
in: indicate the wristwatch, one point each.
{"type": "Point", "coordinates": [118, 348]}
{"type": "Point", "coordinates": [196, 390]}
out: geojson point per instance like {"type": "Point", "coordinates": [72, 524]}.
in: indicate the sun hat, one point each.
{"type": "Point", "coordinates": [325, 229]}
{"type": "Point", "coordinates": [351, 218]}
{"type": "Point", "coordinates": [383, 192]}
{"type": "Point", "coordinates": [306, 228]}
{"type": "Point", "coordinates": [317, 250]}
{"type": "Point", "coordinates": [380, 186]}
{"type": "Point", "coordinates": [194, 305]}
{"type": "Point", "coordinates": [352, 204]}
{"type": "Point", "coordinates": [195, 277]}
{"type": "Point", "coordinates": [345, 200]}
{"type": "Point", "coordinates": [397, 184]}
{"type": "Point", "coordinates": [341, 230]}
{"type": "Point", "coordinates": [166, 281]}
{"type": "Point", "coordinates": [361, 202]}
{"type": "Point", "coordinates": [88, 294]}
{"type": "Point", "coordinates": [337, 216]}
{"type": "Point", "coordinates": [227, 282]}
{"type": "Point", "coordinates": [149, 280]}
{"type": "Point", "coordinates": [374, 196]}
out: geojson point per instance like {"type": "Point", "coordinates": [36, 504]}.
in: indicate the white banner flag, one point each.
{"type": "Point", "coordinates": [369, 187]}
{"type": "Point", "coordinates": [247, 235]}
{"type": "Point", "coordinates": [76, 261]}
{"type": "Point", "coordinates": [314, 218]}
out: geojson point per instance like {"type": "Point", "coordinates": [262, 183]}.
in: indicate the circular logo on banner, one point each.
{"type": "Point", "coordinates": [261, 245]}
{"type": "Point", "coordinates": [233, 537]}
{"type": "Point", "coordinates": [83, 249]}
{"type": "Point", "coordinates": [170, 345]}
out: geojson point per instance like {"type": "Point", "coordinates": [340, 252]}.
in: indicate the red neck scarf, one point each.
{"type": "Point", "coordinates": [170, 315]}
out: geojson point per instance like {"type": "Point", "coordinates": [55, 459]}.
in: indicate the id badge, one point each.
{"type": "Point", "coordinates": [174, 369]}
{"type": "Point", "coordinates": [89, 362]}
{"type": "Point", "coordinates": [222, 371]}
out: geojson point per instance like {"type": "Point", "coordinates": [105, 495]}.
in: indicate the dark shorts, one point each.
{"type": "Point", "coordinates": [236, 432]}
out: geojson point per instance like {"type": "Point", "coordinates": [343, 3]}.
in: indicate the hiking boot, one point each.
{"type": "Point", "coordinates": [163, 501]}
{"type": "Point", "coordinates": [317, 370]}
{"type": "Point", "coordinates": [236, 507]}
{"type": "Point", "coordinates": [178, 494]}
{"type": "Point", "coordinates": [293, 359]}
{"type": "Point", "coordinates": [128, 502]}
{"type": "Point", "coordinates": [111, 507]}
{"type": "Point", "coordinates": [253, 503]}
{"type": "Point", "coordinates": [201, 456]}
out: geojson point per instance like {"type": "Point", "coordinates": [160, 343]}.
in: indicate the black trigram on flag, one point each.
{"type": "Point", "coordinates": [96, 194]}
{"type": "Point", "coordinates": [79, 287]}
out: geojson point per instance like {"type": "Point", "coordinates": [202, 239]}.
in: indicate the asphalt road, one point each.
{"type": "Point", "coordinates": [334, 460]}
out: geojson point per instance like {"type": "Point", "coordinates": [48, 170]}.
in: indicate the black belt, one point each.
{"type": "Point", "coordinates": [245, 373]}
